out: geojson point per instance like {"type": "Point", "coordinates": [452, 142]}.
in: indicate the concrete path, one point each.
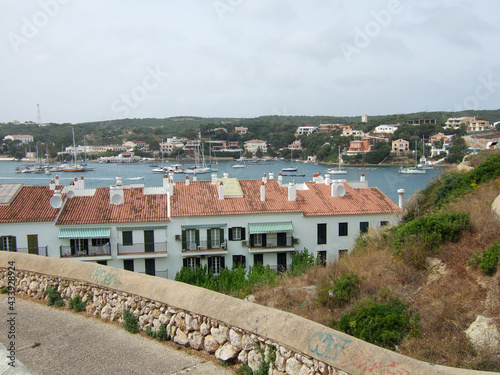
{"type": "Point", "coordinates": [57, 341]}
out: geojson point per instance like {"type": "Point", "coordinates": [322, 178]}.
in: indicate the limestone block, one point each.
{"type": "Point", "coordinates": [247, 342]}
{"type": "Point", "coordinates": [280, 362]}
{"type": "Point", "coordinates": [221, 334]}
{"type": "Point", "coordinates": [180, 322]}
{"type": "Point", "coordinates": [162, 318]}
{"type": "Point", "coordinates": [306, 361]}
{"type": "Point", "coordinates": [205, 329]}
{"type": "Point", "coordinates": [187, 321]}
{"type": "Point", "coordinates": [483, 334]}
{"type": "Point", "coordinates": [226, 352]}
{"type": "Point", "coordinates": [235, 339]}
{"type": "Point", "coordinates": [293, 366]}
{"type": "Point", "coordinates": [155, 313]}
{"type": "Point", "coordinates": [181, 338]}
{"type": "Point", "coordinates": [243, 356]}
{"type": "Point", "coordinates": [285, 352]}
{"type": "Point", "coordinates": [210, 344]}
{"type": "Point", "coordinates": [195, 340]}
{"type": "Point", "coordinates": [34, 286]}
{"type": "Point", "coordinates": [304, 370]}
{"type": "Point", "coordinates": [254, 359]}
{"type": "Point", "coordinates": [105, 312]}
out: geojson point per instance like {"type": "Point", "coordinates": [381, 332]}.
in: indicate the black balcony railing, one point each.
{"type": "Point", "coordinates": [140, 248]}
{"type": "Point", "coordinates": [288, 241]}
{"type": "Point", "coordinates": [31, 250]}
{"type": "Point", "coordinates": [204, 245]}
{"type": "Point", "coordinates": [90, 251]}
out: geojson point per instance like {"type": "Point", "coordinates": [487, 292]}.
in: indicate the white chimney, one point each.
{"type": "Point", "coordinates": [214, 178]}
{"type": "Point", "coordinates": [264, 178]}
{"type": "Point", "coordinates": [57, 181]}
{"type": "Point", "coordinates": [271, 175]}
{"type": "Point", "coordinates": [82, 183]}
{"type": "Point", "coordinates": [316, 177]}
{"type": "Point", "coordinates": [221, 191]}
{"type": "Point", "coordinates": [362, 178]}
{"type": "Point", "coordinates": [194, 177]}
{"type": "Point", "coordinates": [52, 185]}
{"type": "Point", "coordinates": [171, 187]}
{"type": "Point", "coordinates": [280, 179]}
{"type": "Point", "coordinates": [327, 179]}
{"type": "Point", "coordinates": [119, 181]}
{"type": "Point", "coordinates": [225, 175]}
{"type": "Point", "coordinates": [187, 180]}
{"type": "Point", "coordinates": [166, 182]}
{"type": "Point", "coordinates": [170, 176]}
{"type": "Point", "coordinates": [262, 191]}
{"type": "Point", "coordinates": [168, 203]}
{"type": "Point", "coordinates": [401, 193]}
{"type": "Point", "coordinates": [292, 191]}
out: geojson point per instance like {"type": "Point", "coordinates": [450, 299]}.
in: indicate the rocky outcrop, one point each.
{"type": "Point", "coordinates": [484, 335]}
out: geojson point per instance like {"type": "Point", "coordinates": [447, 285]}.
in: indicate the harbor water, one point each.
{"type": "Point", "coordinates": [386, 178]}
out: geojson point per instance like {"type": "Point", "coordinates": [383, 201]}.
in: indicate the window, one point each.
{"type": "Point", "coordinates": [216, 264]}
{"type": "Point", "coordinates": [8, 243]}
{"type": "Point", "coordinates": [342, 253]}
{"type": "Point", "coordinates": [191, 262]}
{"type": "Point", "coordinates": [79, 246]}
{"type": "Point", "coordinates": [343, 231]}
{"type": "Point", "coordinates": [190, 239]}
{"type": "Point", "coordinates": [128, 264]}
{"type": "Point", "coordinates": [257, 240]}
{"type": "Point", "coordinates": [236, 234]}
{"type": "Point", "coordinates": [150, 267]}
{"type": "Point", "coordinates": [239, 260]}
{"type": "Point", "coordinates": [127, 237]}
{"type": "Point", "coordinates": [321, 234]}
{"type": "Point", "coordinates": [258, 259]}
{"type": "Point", "coordinates": [363, 226]}
{"type": "Point", "coordinates": [383, 223]}
{"type": "Point", "coordinates": [214, 235]}
{"type": "Point", "coordinates": [322, 257]}
{"type": "Point", "coordinates": [100, 241]}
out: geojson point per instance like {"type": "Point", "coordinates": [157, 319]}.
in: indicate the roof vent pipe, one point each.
{"type": "Point", "coordinates": [327, 179]}
{"type": "Point", "coordinates": [292, 191]}
{"type": "Point", "coordinates": [401, 193]}
{"type": "Point", "coordinates": [187, 180]}
{"type": "Point", "coordinates": [221, 191]}
{"type": "Point", "coordinates": [214, 178]}
{"type": "Point", "coordinates": [262, 192]}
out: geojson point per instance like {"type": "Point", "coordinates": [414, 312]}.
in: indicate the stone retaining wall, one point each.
{"type": "Point", "coordinates": [228, 328]}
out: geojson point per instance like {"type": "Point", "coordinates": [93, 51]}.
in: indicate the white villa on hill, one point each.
{"type": "Point", "coordinates": [219, 223]}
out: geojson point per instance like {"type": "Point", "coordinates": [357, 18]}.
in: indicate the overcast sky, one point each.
{"type": "Point", "coordinates": [87, 60]}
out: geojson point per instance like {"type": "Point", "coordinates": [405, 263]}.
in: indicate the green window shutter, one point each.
{"type": "Point", "coordinates": [1, 243]}
{"type": "Point", "coordinates": [221, 235]}
{"type": "Point", "coordinates": [14, 246]}
{"type": "Point", "coordinates": [243, 234]}
{"type": "Point", "coordinates": [197, 237]}
{"type": "Point", "coordinates": [184, 244]}
{"type": "Point", "coordinates": [209, 238]}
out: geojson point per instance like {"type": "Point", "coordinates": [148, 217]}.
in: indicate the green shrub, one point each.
{"type": "Point", "coordinates": [488, 260]}
{"type": "Point", "coordinates": [53, 296]}
{"type": "Point", "coordinates": [340, 290]}
{"type": "Point", "coordinates": [77, 304]}
{"type": "Point", "coordinates": [380, 323]}
{"type": "Point", "coordinates": [130, 322]}
{"type": "Point", "coordinates": [161, 334]}
{"type": "Point", "coordinates": [301, 262]}
{"type": "Point", "coordinates": [4, 290]}
{"type": "Point", "coordinates": [415, 240]}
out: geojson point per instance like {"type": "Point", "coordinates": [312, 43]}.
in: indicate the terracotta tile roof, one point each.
{"type": "Point", "coordinates": [201, 198]}
{"type": "Point", "coordinates": [97, 209]}
{"type": "Point", "coordinates": [31, 204]}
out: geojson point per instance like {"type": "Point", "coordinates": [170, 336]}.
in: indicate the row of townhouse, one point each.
{"type": "Point", "coordinates": [219, 223]}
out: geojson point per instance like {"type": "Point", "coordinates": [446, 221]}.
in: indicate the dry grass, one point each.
{"type": "Point", "coordinates": [447, 305]}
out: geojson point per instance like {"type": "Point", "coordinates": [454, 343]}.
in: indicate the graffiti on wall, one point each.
{"type": "Point", "coordinates": [105, 276]}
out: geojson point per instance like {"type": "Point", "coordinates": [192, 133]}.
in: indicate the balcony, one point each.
{"type": "Point", "coordinates": [203, 248]}
{"type": "Point", "coordinates": [142, 250]}
{"type": "Point", "coordinates": [101, 252]}
{"type": "Point", "coordinates": [32, 250]}
{"type": "Point", "coordinates": [271, 244]}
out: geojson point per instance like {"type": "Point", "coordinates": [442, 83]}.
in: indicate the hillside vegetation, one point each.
{"type": "Point", "coordinates": [414, 288]}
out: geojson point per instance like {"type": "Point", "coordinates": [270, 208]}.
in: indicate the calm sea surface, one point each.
{"type": "Point", "coordinates": [387, 179]}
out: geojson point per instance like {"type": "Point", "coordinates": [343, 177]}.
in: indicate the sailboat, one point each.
{"type": "Point", "coordinates": [291, 168]}
{"type": "Point", "coordinates": [424, 163]}
{"type": "Point", "coordinates": [337, 171]}
{"type": "Point", "coordinates": [199, 165]}
{"type": "Point", "coordinates": [241, 164]}
{"type": "Point", "coordinates": [75, 167]}
{"type": "Point", "coordinates": [415, 169]}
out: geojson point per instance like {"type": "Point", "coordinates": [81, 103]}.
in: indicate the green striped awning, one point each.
{"type": "Point", "coordinates": [276, 227]}
{"type": "Point", "coordinates": [195, 226]}
{"type": "Point", "coordinates": [150, 227]}
{"type": "Point", "coordinates": [84, 232]}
